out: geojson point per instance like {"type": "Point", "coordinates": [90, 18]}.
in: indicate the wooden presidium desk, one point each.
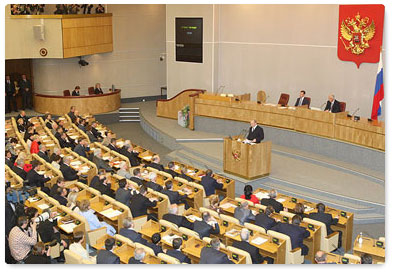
{"type": "Point", "coordinates": [93, 104]}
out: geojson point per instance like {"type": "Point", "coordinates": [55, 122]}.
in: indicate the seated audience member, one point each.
{"type": "Point", "coordinates": [22, 156]}
{"type": "Point", "coordinates": [99, 161]}
{"type": "Point", "coordinates": [23, 116]}
{"type": "Point", "coordinates": [171, 169]}
{"type": "Point", "coordinates": [48, 229]}
{"type": "Point", "coordinates": [139, 204]}
{"type": "Point", "coordinates": [128, 151]}
{"type": "Point", "coordinates": [107, 256]}
{"type": "Point", "coordinates": [155, 245]}
{"type": "Point", "coordinates": [35, 144]}
{"type": "Point", "coordinates": [39, 255]}
{"type": "Point", "coordinates": [180, 220]}
{"type": "Point", "coordinates": [72, 202]}
{"type": "Point", "coordinates": [77, 248]}
{"type": "Point", "coordinates": [123, 170]}
{"type": "Point", "coordinates": [174, 196]}
{"type": "Point", "coordinates": [212, 255]}
{"type": "Point", "coordinates": [129, 232]}
{"type": "Point", "coordinates": [321, 257]}
{"type": "Point", "coordinates": [155, 163]}
{"type": "Point", "coordinates": [107, 139]}
{"type": "Point", "coordinates": [123, 193]}
{"type": "Point", "coordinates": [299, 210]}
{"type": "Point", "coordinates": [102, 183]}
{"type": "Point", "coordinates": [243, 213]}
{"type": "Point", "coordinates": [96, 132]}
{"type": "Point", "coordinates": [65, 141]}
{"type": "Point", "coordinates": [35, 179]}
{"type": "Point", "coordinates": [366, 259]}
{"type": "Point", "coordinates": [295, 232]}
{"type": "Point", "coordinates": [112, 145]}
{"type": "Point", "coordinates": [139, 255]}
{"type": "Point", "coordinates": [11, 146]}
{"type": "Point", "coordinates": [244, 244]}
{"type": "Point", "coordinates": [48, 121]}
{"type": "Point", "coordinates": [59, 184]}
{"type": "Point", "coordinates": [8, 159]}
{"type": "Point", "coordinates": [92, 219]}
{"type": "Point", "coordinates": [210, 184]}
{"type": "Point", "coordinates": [183, 174]}
{"type": "Point", "coordinates": [81, 124]}
{"type": "Point", "coordinates": [18, 169]}
{"type": "Point", "coordinates": [214, 203]}
{"type": "Point", "coordinates": [271, 201]}
{"type": "Point", "coordinates": [176, 251]}
{"type": "Point", "coordinates": [249, 196]}
{"type": "Point", "coordinates": [82, 148]}
{"type": "Point", "coordinates": [56, 152]}
{"type": "Point", "coordinates": [152, 182]}
{"type": "Point", "coordinates": [89, 133]}
{"type": "Point", "coordinates": [207, 226]}
{"type": "Point", "coordinates": [264, 219]}
{"type": "Point", "coordinates": [60, 196]}
{"type": "Point", "coordinates": [68, 173]}
{"type": "Point", "coordinates": [137, 177]}
{"type": "Point", "coordinates": [43, 152]}
{"type": "Point", "coordinates": [22, 238]}
{"type": "Point", "coordinates": [98, 89]}
{"type": "Point", "coordinates": [76, 91]}
{"type": "Point", "coordinates": [21, 126]}
{"type": "Point", "coordinates": [71, 113]}
{"type": "Point", "coordinates": [54, 129]}
{"type": "Point", "coordinates": [327, 219]}
{"type": "Point", "coordinates": [56, 160]}
{"type": "Point", "coordinates": [29, 132]}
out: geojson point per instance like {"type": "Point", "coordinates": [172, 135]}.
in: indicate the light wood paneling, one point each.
{"type": "Point", "coordinates": [59, 105]}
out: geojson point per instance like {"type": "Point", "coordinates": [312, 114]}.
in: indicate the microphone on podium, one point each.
{"type": "Point", "coordinates": [353, 114]}
{"type": "Point", "coordinates": [322, 105]}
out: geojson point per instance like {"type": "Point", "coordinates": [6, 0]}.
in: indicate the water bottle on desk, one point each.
{"type": "Point", "coordinates": [360, 240]}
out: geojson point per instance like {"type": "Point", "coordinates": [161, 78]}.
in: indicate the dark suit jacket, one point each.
{"type": "Point", "coordinates": [205, 229]}
{"type": "Point", "coordinates": [43, 156]}
{"type": "Point", "coordinates": [35, 179]}
{"type": "Point", "coordinates": [132, 235]}
{"type": "Point", "coordinates": [20, 172]}
{"type": "Point", "coordinates": [264, 221]}
{"type": "Point", "coordinates": [37, 259]}
{"type": "Point", "coordinates": [179, 220]}
{"type": "Point", "coordinates": [9, 163]}
{"type": "Point", "coordinates": [172, 173]}
{"type": "Point", "coordinates": [296, 233]}
{"type": "Point", "coordinates": [113, 148]}
{"type": "Point", "coordinates": [272, 202]}
{"type": "Point", "coordinates": [335, 108]}
{"type": "Point", "coordinates": [133, 159]}
{"type": "Point", "coordinates": [101, 164]}
{"type": "Point", "coordinates": [123, 196]}
{"type": "Point", "coordinates": [210, 184]}
{"type": "Point", "coordinates": [254, 251]}
{"type": "Point", "coordinates": [23, 85]}
{"type": "Point", "coordinates": [72, 116]}
{"type": "Point", "coordinates": [81, 150]}
{"type": "Point", "coordinates": [96, 133]}
{"type": "Point", "coordinates": [156, 166]}
{"type": "Point", "coordinates": [91, 136]}
{"type": "Point", "coordinates": [107, 257]}
{"type": "Point", "coordinates": [139, 205]}
{"type": "Point", "coordinates": [48, 124]}
{"type": "Point", "coordinates": [69, 173]}
{"type": "Point", "coordinates": [132, 260]}
{"type": "Point", "coordinates": [75, 93]}
{"type": "Point", "coordinates": [256, 134]}
{"type": "Point", "coordinates": [98, 184]}
{"type": "Point", "coordinates": [98, 91]}
{"type": "Point", "coordinates": [46, 231]}
{"type": "Point", "coordinates": [9, 88]}
{"type": "Point", "coordinates": [178, 255]}
{"type": "Point", "coordinates": [62, 200]}
{"type": "Point", "coordinates": [209, 255]}
{"type": "Point", "coordinates": [154, 186]}
{"type": "Point", "coordinates": [156, 248]}
{"type": "Point", "coordinates": [182, 175]}
{"type": "Point", "coordinates": [304, 102]}
{"type": "Point", "coordinates": [10, 217]}
{"type": "Point", "coordinates": [65, 144]}
{"type": "Point", "coordinates": [174, 196]}
{"type": "Point", "coordinates": [21, 128]}
{"type": "Point", "coordinates": [325, 218]}
{"type": "Point", "coordinates": [137, 180]}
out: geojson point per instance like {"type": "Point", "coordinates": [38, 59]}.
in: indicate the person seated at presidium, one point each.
{"type": "Point", "coordinates": [332, 105]}
{"type": "Point", "coordinates": [301, 100]}
{"type": "Point", "coordinates": [255, 133]}
{"type": "Point", "coordinates": [98, 89]}
{"type": "Point", "coordinates": [76, 91]}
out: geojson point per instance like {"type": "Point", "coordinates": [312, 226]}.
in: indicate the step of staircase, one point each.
{"type": "Point", "coordinates": [129, 114]}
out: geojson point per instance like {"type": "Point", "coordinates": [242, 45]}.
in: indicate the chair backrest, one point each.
{"type": "Point", "coordinates": [91, 90]}
{"type": "Point", "coordinates": [181, 180]}
{"type": "Point", "coordinates": [82, 185]}
{"type": "Point", "coordinates": [166, 174]}
{"type": "Point", "coordinates": [342, 106]}
{"type": "Point", "coordinates": [240, 252]}
{"type": "Point", "coordinates": [261, 96]}
{"type": "Point", "coordinates": [147, 249]}
{"type": "Point", "coordinates": [212, 212]}
{"type": "Point", "coordinates": [284, 98]}
{"type": "Point", "coordinates": [196, 185]}
{"type": "Point", "coordinates": [122, 206]}
{"type": "Point", "coordinates": [286, 238]}
{"type": "Point", "coordinates": [168, 259]}
{"type": "Point", "coordinates": [382, 239]}
{"type": "Point", "coordinates": [189, 232]}
{"type": "Point", "coordinates": [72, 257]}
{"type": "Point", "coordinates": [259, 206]}
{"type": "Point", "coordinates": [318, 223]}
{"type": "Point", "coordinates": [241, 200]}
{"type": "Point", "coordinates": [352, 257]}
{"type": "Point", "coordinates": [66, 93]}
{"type": "Point", "coordinates": [290, 215]}
{"type": "Point", "coordinates": [208, 240]}
{"type": "Point", "coordinates": [123, 239]}
{"type": "Point", "coordinates": [229, 219]}
{"type": "Point", "coordinates": [94, 191]}
{"type": "Point", "coordinates": [308, 99]}
{"type": "Point", "coordinates": [255, 228]}
{"type": "Point", "coordinates": [152, 169]}
{"type": "Point", "coordinates": [168, 224]}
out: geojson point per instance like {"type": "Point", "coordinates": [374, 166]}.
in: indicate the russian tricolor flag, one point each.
{"type": "Point", "coordinates": [378, 91]}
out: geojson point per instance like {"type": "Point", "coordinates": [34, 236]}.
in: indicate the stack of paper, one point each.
{"type": "Point", "coordinates": [147, 158]}
{"type": "Point", "coordinates": [262, 195]}
{"type": "Point", "coordinates": [120, 143]}
{"type": "Point", "coordinates": [193, 218]}
{"type": "Point", "coordinates": [41, 172]}
{"type": "Point", "coordinates": [281, 200]}
{"type": "Point", "coordinates": [68, 228]}
{"type": "Point", "coordinates": [315, 108]}
{"type": "Point", "coordinates": [43, 206]}
{"type": "Point", "coordinates": [74, 137]}
{"type": "Point", "coordinates": [233, 232]}
{"type": "Point", "coordinates": [75, 163]}
{"type": "Point", "coordinates": [308, 208]}
{"type": "Point", "coordinates": [84, 169]}
{"type": "Point", "coordinates": [32, 199]}
{"type": "Point", "coordinates": [228, 205]}
{"type": "Point", "coordinates": [50, 145]}
{"type": "Point", "coordinates": [258, 240]}
{"type": "Point", "coordinates": [110, 213]}
{"type": "Point", "coordinates": [106, 157]}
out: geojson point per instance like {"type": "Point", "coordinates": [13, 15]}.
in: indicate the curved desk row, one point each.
{"type": "Point", "coordinates": [93, 104]}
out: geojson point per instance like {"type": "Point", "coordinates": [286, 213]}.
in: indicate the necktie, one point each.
{"type": "Point", "coordinates": [300, 101]}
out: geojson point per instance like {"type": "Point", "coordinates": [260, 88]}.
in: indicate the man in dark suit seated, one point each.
{"type": "Point", "coordinates": [98, 89]}
{"type": "Point", "coordinates": [295, 232]}
{"type": "Point", "coordinates": [8, 159]}
{"type": "Point", "coordinates": [184, 176]}
{"type": "Point", "coordinates": [89, 133]}
{"type": "Point", "coordinates": [170, 169]}
{"type": "Point", "coordinates": [61, 196]}
{"type": "Point", "coordinates": [69, 173]}
{"type": "Point", "coordinates": [207, 226]}
{"type": "Point", "coordinates": [102, 183]}
{"type": "Point", "coordinates": [65, 141]}
{"type": "Point", "coordinates": [106, 256]}
{"type": "Point", "coordinates": [176, 251]}
{"type": "Point", "coordinates": [212, 255]}
{"type": "Point", "coordinates": [95, 132]}
{"type": "Point", "coordinates": [76, 91]}
{"type": "Point", "coordinates": [152, 183]}
{"type": "Point", "coordinates": [155, 163]}
{"type": "Point", "coordinates": [123, 193]}
{"type": "Point", "coordinates": [174, 196]}
{"type": "Point", "coordinates": [43, 153]}
{"type": "Point", "coordinates": [244, 244]}
{"type": "Point", "coordinates": [127, 150]}
{"type": "Point", "coordinates": [100, 162]}
{"type": "Point", "coordinates": [301, 100]}
{"type": "Point", "coordinates": [255, 133]}
{"type": "Point", "coordinates": [179, 220]}
{"type": "Point", "coordinates": [59, 184]}
{"type": "Point", "coordinates": [327, 219]}
{"type": "Point", "coordinates": [210, 184]}
{"type": "Point", "coordinates": [139, 204]}
{"type": "Point", "coordinates": [332, 105]}
{"type": "Point", "coordinates": [272, 201]}
{"type": "Point", "coordinates": [139, 255]}
{"type": "Point", "coordinates": [38, 255]}
{"type": "Point", "coordinates": [264, 220]}
{"type": "Point", "coordinates": [112, 146]}
{"type": "Point", "coordinates": [155, 245]}
{"type": "Point", "coordinates": [82, 148]}
{"type": "Point", "coordinates": [35, 179]}
{"type": "Point", "coordinates": [18, 169]}
{"type": "Point", "coordinates": [137, 177]}
{"type": "Point", "coordinates": [23, 116]}
{"type": "Point", "coordinates": [243, 213]}
{"type": "Point", "coordinates": [129, 232]}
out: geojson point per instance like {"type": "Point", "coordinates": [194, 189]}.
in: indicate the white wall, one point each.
{"type": "Point", "coordinates": [139, 38]}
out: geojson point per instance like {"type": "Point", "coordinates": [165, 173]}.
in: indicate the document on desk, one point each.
{"type": "Point", "coordinates": [281, 200]}
{"type": "Point", "coordinates": [68, 228]}
{"type": "Point", "coordinates": [308, 209]}
{"type": "Point", "coordinates": [258, 240]}
{"type": "Point", "coordinates": [106, 157]}
{"type": "Point", "coordinates": [41, 172]}
{"type": "Point", "coordinates": [32, 199]}
{"type": "Point", "coordinates": [110, 213]}
{"type": "Point", "coordinates": [233, 232]}
{"type": "Point", "coordinates": [228, 205]}
{"type": "Point", "coordinates": [262, 195]}
{"type": "Point", "coordinates": [43, 206]}
{"type": "Point", "coordinates": [75, 163]}
{"type": "Point", "coordinates": [193, 218]}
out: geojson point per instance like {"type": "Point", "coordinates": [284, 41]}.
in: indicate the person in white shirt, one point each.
{"type": "Point", "coordinates": [78, 249]}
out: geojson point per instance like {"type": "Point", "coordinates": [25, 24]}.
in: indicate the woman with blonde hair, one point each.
{"type": "Point", "coordinates": [72, 203]}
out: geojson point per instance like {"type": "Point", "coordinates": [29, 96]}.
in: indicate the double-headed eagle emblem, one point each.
{"type": "Point", "coordinates": [355, 33]}
{"type": "Point", "coordinates": [236, 155]}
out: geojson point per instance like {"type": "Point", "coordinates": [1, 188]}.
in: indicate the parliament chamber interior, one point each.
{"type": "Point", "coordinates": [194, 134]}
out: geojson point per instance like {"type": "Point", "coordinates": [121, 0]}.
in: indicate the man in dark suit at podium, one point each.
{"type": "Point", "coordinates": [255, 133]}
{"type": "Point", "coordinates": [332, 105]}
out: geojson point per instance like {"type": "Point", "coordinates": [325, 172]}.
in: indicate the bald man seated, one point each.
{"type": "Point", "coordinates": [332, 105]}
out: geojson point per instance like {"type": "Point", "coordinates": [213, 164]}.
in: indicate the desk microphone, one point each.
{"type": "Point", "coordinates": [322, 105]}
{"type": "Point", "coordinates": [355, 112]}
{"type": "Point", "coordinates": [268, 96]}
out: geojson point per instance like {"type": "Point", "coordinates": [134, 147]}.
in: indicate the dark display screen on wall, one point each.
{"type": "Point", "coordinates": [189, 40]}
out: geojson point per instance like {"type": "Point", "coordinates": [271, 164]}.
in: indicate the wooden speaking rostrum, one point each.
{"type": "Point", "coordinates": [246, 160]}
